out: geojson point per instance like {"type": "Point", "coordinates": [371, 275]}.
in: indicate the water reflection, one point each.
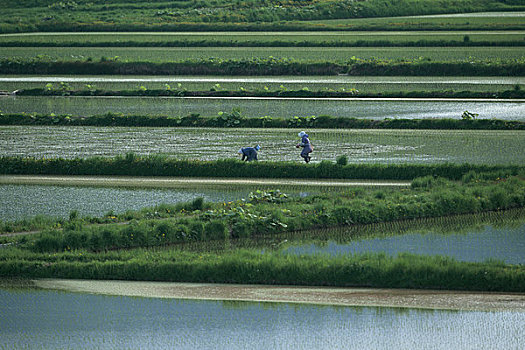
{"type": "Point", "coordinates": [371, 109]}
{"type": "Point", "coordinates": [475, 243]}
{"type": "Point", "coordinates": [19, 202]}
{"type": "Point", "coordinates": [496, 236]}
{"type": "Point", "coordinates": [48, 319]}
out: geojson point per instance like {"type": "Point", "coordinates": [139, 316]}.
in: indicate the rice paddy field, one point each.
{"type": "Point", "coordinates": [157, 32]}
{"type": "Point", "coordinates": [23, 202]}
{"type": "Point", "coordinates": [377, 109]}
{"type": "Point", "coordinates": [73, 38]}
{"type": "Point", "coordinates": [43, 318]}
{"type": "Point", "coordinates": [375, 146]}
{"type": "Point", "coordinates": [335, 54]}
{"type": "Point", "coordinates": [369, 84]}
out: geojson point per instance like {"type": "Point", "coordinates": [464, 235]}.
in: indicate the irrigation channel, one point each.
{"type": "Point", "coordinates": [376, 146]}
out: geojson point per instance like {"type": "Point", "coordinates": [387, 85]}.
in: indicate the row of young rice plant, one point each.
{"type": "Point", "coordinates": [358, 86]}
{"type": "Point", "coordinates": [158, 54]}
{"type": "Point", "coordinates": [358, 145]}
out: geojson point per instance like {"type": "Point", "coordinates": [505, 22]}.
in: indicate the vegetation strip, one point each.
{"type": "Point", "coordinates": [235, 119]}
{"type": "Point", "coordinates": [515, 94]}
{"type": "Point", "coordinates": [424, 299]}
{"type": "Point", "coordinates": [269, 43]}
{"type": "Point", "coordinates": [268, 66]}
{"type": "Point", "coordinates": [247, 15]}
{"type": "Point", "coordinates": [133, 165]}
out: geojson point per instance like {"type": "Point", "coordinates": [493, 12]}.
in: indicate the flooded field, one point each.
{"type": "Point", "coordinates": [478, 244]}
{"type": "Point", "coordinates": [338, 54]}
{"type": "Point", "coordinates": [49, 319]}
{"type": "Point", "coordinates": [19, 202]}
{"type": "Point", "coordinates": [381, 146]}
{"type": "Point", "coordinates": [365, 84]}
{"type": "Point", "coordinates": [259, 107]}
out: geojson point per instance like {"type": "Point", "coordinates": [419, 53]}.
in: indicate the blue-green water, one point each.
{"type": "Point", "coordinates": [476, 245]}
{"type": "Point", "coordinates": [32, 319]}
{"type": "Point", "coordinates": [25, 201]}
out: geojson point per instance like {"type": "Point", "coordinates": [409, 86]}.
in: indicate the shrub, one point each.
{"type": "Point", "coordinates": [342, 160]}
{"type": "Point", "coordinates": [499, 198]}
{"type": "Point", "coordinates": [429, 182]}
{"type": "Point", "coordinates": [215, 230]}
{"type": "Point", "coordinates": [197, 203]}
{"type": "Point", "coordinates": [48, 242]}
{"type": "Point", "coordinates": [196, 231]}
{"type": "Point", "coordinates": [165, 232]}
{"type": "Point", "coordinates": [240, 229]}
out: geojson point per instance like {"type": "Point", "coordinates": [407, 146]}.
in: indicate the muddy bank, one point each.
{"type": "Point", "coordinates": [402, 298]}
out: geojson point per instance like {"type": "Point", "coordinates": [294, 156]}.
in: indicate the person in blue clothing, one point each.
{"type": "Point", "coordinates": [249, 153]}
{"type": "Point", "coordinates": [306, 145]}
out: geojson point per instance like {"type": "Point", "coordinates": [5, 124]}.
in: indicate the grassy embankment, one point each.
{"type": "Point", "coordinates": [270, 66]}
{"type": "Point", "coordinates": [83, 15]}
{"type": "Point", "coordinates": [134, 250]}
{"type": "Point", "coordinates": [235, 119]}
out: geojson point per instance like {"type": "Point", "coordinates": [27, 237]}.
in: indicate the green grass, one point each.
{"type": "Point", "coordinates": [487, 20]}
{"type": "Point", "coordinates": [143, 54]}
{"type": "Point", "coordinates": [312, 38]}
{"type": "Point", "coordinates": [45, 15]}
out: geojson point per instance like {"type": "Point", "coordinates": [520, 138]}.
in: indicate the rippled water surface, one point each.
{"type": "Point", "coordinates": [33, 319]}
{"type": "Point", "coordinates": [24, 201]}
{"type": "Point", "coordinates": [282, 108]}
{"type": "Point", "coordinates": [476, 245]}
{"type": "Point", "coordinates": [376, 146]}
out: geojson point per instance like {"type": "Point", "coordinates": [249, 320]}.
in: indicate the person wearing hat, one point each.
{"type": "Point", "coordinates": [306, 145]}
{"type": "Point", "coordinates": [249, 153]}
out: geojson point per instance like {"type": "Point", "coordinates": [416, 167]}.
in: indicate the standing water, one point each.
{"type": "Point", "coordinates": [34, 319]}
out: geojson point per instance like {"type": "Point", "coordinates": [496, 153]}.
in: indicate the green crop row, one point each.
{"type": "Point", "coordinates": [305, 54]}
{"type": "Point", "coordinates": [134, 165]}
{"type": "Point", "coordinates": [64, 89]}
{"type": "Point", "coordinates": [235, 119]}
{"type": "Point", "coordinates": [269, 66]}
